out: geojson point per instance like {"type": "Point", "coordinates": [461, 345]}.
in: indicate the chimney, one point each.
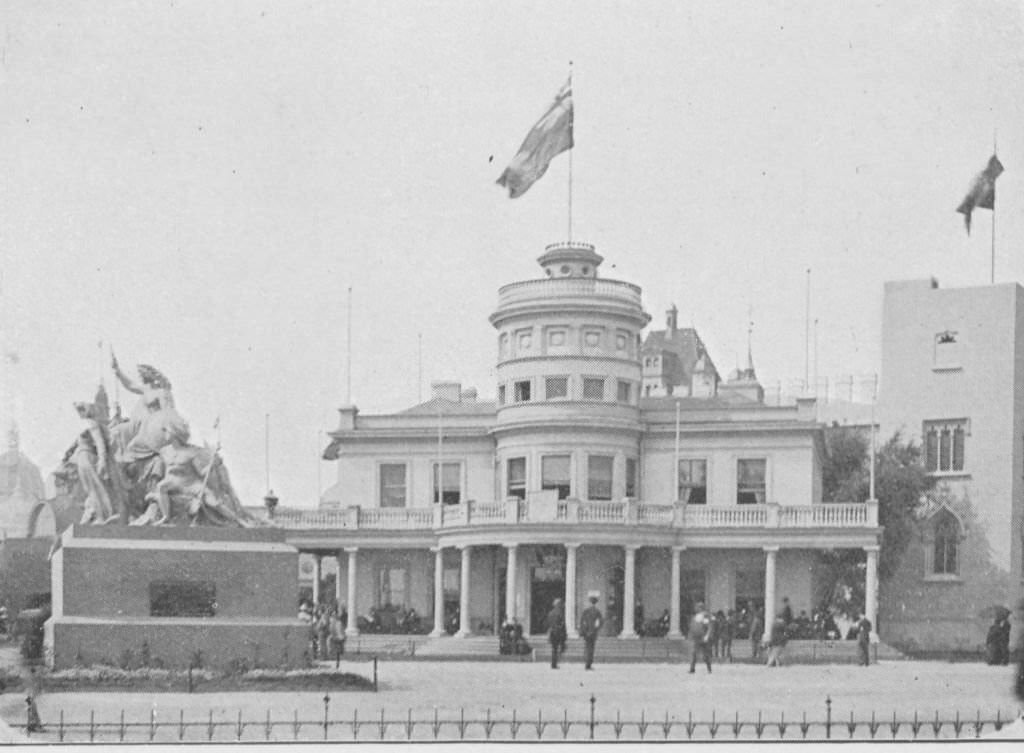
{"type": "Point", "coordinates": [446, 391]}
{"type": "Point", "coordinates": [468, 395]}
{"type": "Point", "coordinates": [671, 322]}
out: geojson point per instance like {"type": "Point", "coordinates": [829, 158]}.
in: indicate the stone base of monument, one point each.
{"type": "Point", "coordinates": [174, 597]}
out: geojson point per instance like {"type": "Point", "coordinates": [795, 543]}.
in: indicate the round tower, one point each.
{"type": "Point", "coordinates": [569, 380]}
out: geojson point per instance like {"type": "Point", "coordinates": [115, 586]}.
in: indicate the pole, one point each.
{"type": "Point", "coordinates": [419, 367]}
{"type": "Point", "coordinates": [677, 451]}
{"type": "Point", "coordinates": [992, 266]}
{"type": "Point", "coordinates": [807, 332]}
{"type": "Point", "coordinates": [874, 398]}
{"type": "Point", "coordinates": [571, 149]}
{"type": "Point", "coordinates": [348, 354]}
{"type": "Point", "coordinates": [266, 448]}
{"type": "Point", "coordinates": [815, 356]}
{"type": "Point", "coordinates": [440, 452]}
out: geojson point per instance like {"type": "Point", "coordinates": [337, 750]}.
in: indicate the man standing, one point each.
{"type": "Point", "coordinates": [756, 630]}
{"type": "Point", "coordinates": [590, 624]}
{"type": "Point", "coordinates": [700, 635]}
{"type": "Point", "coordinates": [864, 627]}
{"type": "Point", "coordinates": [556, 631]}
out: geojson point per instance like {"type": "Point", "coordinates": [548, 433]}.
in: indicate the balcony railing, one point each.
{"type": "Point", "coordinates": [561, 289]}
{"type": "Point", "coordinates": [546, 509]}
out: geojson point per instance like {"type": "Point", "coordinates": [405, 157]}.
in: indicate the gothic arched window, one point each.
{"type": "Point", "coordinates": [946, 545]}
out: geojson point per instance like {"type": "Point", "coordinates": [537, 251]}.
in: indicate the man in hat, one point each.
{"type": "Point", "coordinates": [700, 635]}
{"type": "Point", "coordinates": [590, 624]}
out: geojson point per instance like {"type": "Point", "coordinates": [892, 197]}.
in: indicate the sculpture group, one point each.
{"type": "Point", "coordinates": [142, 470]}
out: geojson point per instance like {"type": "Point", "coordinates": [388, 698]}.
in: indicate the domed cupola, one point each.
{"type": "Point", "coordinates": [570, 260]}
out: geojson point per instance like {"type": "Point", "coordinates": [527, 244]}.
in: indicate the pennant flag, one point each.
{"type": "Point", "coordinates": [551, 136]}
{"type": "Point", "coordinates": [982, 194]}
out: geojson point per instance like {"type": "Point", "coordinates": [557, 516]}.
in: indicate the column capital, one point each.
{"type": "Point", "coordinates": [511, 546]}
{"type": "Point", "coordinates": [679, 547]}
{"type": "Point", "coordinates": [436, 549]}
{"type": "Point", "coordinates": [632, 547]}
{"type": "Point", "coordinates": [351, 549]}
{"type": "Point", "coordinates": [872, 548]}
{"type": "Point", "coordinates": [573, 546]}
{"type": "Point", "coordinates": [463, 547]}
{"type": "Point", "coordinates": [771, 549]}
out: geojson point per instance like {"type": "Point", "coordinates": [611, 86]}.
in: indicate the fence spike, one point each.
{"type": "Point", "coordinates": [408, 725]}
{"type": "Point", "coordinates": [181, 724]}
{"type": "Point", "coordinates": [593, 701]}
{"type": "Point", "coordinates": [240, 727]}
{"type": "Point", "coordinates": [355, 724]}
{"type": "Point", "coordinates": [60, 726]}
{"type": "Point", "coordinates": [383, 725]}
{"type": "Point", "coordinates": [666, 727]}
{"type": "Point", "coordinates": [209, 726]}
{"type": "Point", "coordinates": [122, 726]}
{"type": "Point", "coordinates": [268, 726]}
{"type": "Point", "coordinates": [515, 725]}
{"type": "Point", "coordinates": [92, 726]}
{"type": "Point", "coordinates": [618, 724]}
{"type": "Point", "coordinates": [565, 723]}
{"type": "Point", "coordinates": [152, 724]}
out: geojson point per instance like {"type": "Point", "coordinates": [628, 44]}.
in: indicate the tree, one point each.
{"type": "Point", "coordinates": [900, 484]}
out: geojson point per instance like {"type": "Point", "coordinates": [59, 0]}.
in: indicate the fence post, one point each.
{"type": "Point", "coordinates": [593, 701]}
{"type": "Point", "coordinates": [92, 726]}
{"type": "Point", "coordinates": [327, 704]}
{"type": "Point", "coordinates": [152, 724]}
{"type": "Point", "coordinates": [374, 674]}
{"type": "Point", "coordinates": [121, 729]}
{"type": "Point", "coordinates": [828, 717]}
{"type": "Point", "coordinates": [60, 728]}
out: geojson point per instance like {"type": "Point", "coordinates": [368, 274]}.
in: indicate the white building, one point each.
{"type": "Point", "coordinates": [575, 481]}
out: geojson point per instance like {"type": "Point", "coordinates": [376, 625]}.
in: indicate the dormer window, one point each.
{"type": "Point", "coordinates": [521, 391]}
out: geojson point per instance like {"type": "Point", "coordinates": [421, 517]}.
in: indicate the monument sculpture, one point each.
{"type": "Point", "coordinates": [142, 470]}
{"type": "Point", "coordinates": [165, 559]}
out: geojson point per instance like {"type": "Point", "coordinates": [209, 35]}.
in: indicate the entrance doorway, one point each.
{"type": "Point", "coordinates": [547, 583]}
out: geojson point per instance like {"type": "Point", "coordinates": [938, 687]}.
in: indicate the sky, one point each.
{"type": "Point", "coordinates": [199, 185]}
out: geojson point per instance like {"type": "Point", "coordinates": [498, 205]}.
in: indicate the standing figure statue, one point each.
{"type": "Point", "coordinates": [90, 456]}
{"type": "Point", "coordinates": [138, 440]}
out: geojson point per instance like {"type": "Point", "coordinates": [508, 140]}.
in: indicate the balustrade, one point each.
{"type": "Point", "coordinates": [574, 511]}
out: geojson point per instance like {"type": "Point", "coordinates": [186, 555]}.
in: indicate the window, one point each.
{"type": "Point", "coordinates": [750, 481]}
{"type": "Point", "coordinates": [521, 392]}
{"type": "Point", "coordinates": [503, 346]}
{"type": "Point", "coordinates": [392, 485]}
{"type": "Point", "coordinates": [554, 474]}
{"type": "Point", "coordinates": [947, 350]}
{"type": "Point", "coordinates": [599, 477]}
{"type": "Point", "coordinates": [177, 598]}
{"type": "Point", "coordinates": [944, 446]}
{"type": "Point", "coordinates": [451, 486]}
{"type": "Point", "coordinates": [625, 394]}
{"type": "Point", "coordinates": [391, 587]}
{"type": "Point", "coordinates": [555, 387]}
{"type": "Point", "coordinates": [945, 552]}
{"type": "Point", "coordinates": [631, 490]}
{"type": "Point", "coordinates": [501, 394]}
{"type": "Point", "coordinates": [693, 482]}
{"type": "Point", "coordinates": [516, 484]}
{"type": "Point", "coordinates": [593, 388]}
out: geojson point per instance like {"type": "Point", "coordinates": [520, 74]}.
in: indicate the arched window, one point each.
{"type": "Point", "coordinates": [946, 546]}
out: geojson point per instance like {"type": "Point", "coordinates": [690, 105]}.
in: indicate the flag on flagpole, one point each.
{"type": "Point", "coordinates": [551, 136]}
{"type": "Point", "coordinates": [982, 193]}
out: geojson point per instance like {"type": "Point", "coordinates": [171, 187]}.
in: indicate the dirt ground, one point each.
{"type": "Point", "coordinates": [625, 692]}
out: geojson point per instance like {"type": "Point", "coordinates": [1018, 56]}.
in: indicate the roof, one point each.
{"type": "Point", "coordinates": [686, 348]}
{"type": "Point", "coordinates": [723, 400]}
{"type": "Point", "coordinates": [448, 407]}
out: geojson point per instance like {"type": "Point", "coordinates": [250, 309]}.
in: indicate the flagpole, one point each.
{"type": "Point", "coordinates": [571, 150]}
{"type": "Point", "coordinates": [992, 266]}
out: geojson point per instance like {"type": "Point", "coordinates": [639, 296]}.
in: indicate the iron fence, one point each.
{"type": "Point", "coordinates": [344, 726]}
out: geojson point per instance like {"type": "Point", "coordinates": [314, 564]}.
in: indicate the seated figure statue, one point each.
{"type": "Point", "coordinates": [195, 484]}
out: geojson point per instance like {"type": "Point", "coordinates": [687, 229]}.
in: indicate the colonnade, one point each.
{"type": "Point", "coordinates": [572, 553]}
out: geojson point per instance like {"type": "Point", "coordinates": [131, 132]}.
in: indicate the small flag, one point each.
{"type": "Point", "coordinates": [551, 136]}
{"type": "Point", "coordinates": [982, 194]}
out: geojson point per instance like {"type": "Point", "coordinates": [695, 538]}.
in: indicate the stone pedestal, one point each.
{"type": "Point", "coordinates": [170, 592]}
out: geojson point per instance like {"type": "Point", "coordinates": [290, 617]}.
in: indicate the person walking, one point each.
{"type": "Point", "coordinates": [700, 635]}
{"type": "Point", "coordinates": [728, 631]}
{"type": "Point", "coordinates": [590, 625]}
{"type": "Point", "coordinates": [864, 627]}
{"type": "Point", "coordinates": [776, 641]}
{"type": "Point", "coordinates": [756, 631]}
{"type": "Point", "coordinates": [556, 631]}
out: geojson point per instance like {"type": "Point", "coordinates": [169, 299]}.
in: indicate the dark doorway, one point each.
{"type": "Point", "coordinates": [547, 583]}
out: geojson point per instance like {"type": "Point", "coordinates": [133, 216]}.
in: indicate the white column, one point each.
{"type": "Point", "coordinates": [338, 591]}
{"type": "Point", "coordinates": [871, 586]}
{"type": "Point", "coordinates": [353, 606]}
{"type": "Point", "coordinates": [629, 595]}
{"type": "Point", "coordinates": [510, 582]}
{"type": "Point", "coordinates": [673, 607]}
{"type": "Point", "coordinates": [318, 574]}
{"type": "Point", "coordinates": [464, 627]}
{"type": "Point", "coordinates": [438, 592]}
{"type": "Point", "coordinates": [769, 588]}
{"type": "Point", "coordinates": [570, 590]}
